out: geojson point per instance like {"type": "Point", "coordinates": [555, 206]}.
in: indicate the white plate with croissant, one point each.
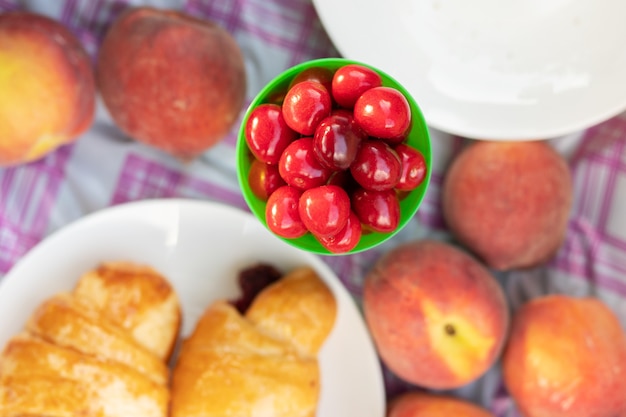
{"type": "Point", "coordinates": [137, 310]}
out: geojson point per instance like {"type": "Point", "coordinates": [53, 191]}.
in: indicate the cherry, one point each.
{"type": "Point", "coordinates": [282, 215]}
{"type": "Point", "coordinates": [324, 210]}
{"type": "Point", "coordinates": [305, 105]}
{"type": "Point", "coordinates": [264, 179]}
{"type": "Point", "coordinates": [376, 166]}
{"type": "Point", "coordinates": [348, 113]}
{"type": "Point", "coordinates": [383, 112]}
{"type": "Point", "coordinates": [350, 81]}
{"type": "Point", "coordinates": [413, 168]}
{"type": "Point", "coordinates": [267, 134]}
{"type": "Point", "coordinates": [321, 75]}
{"type": "Point", "coordinates": [336, 141]}
{"type": "Point", "coordinates": [378, 210]}
{"type": "Point", "coordinates": [299, 166]}
{"type": "Point", "coordinates": [346, 239]}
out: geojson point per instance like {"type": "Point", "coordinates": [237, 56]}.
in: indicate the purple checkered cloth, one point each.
{"type": "Point", "coordinates": [41, 197]}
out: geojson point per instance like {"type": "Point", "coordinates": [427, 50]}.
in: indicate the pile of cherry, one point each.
{"type": "Point", "coordinates": [331, 158]}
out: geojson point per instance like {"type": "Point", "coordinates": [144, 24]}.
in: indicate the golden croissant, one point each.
{"type": "Point", "coordinates": [100, 350]}
{"type": "Point", "coordinates": [263, 363]}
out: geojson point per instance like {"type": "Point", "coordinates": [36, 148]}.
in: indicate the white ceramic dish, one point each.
{"type": "Point", "coordinates": [493, 69]}
{"type": "Point", "coordinates": [200, 247]}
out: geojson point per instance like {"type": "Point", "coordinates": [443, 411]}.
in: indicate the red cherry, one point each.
{"type": "Point", "coordinates": [378, 210]}
{"type": "Point", "coordinates": [300, 167]}
{"type": "Point", "coordinates": [321, 75]}
{"type": "Point", "coordinates": [376, 166]}
{"type": "Point", "coordinates": [264, 179]}
{"type": "Point", "coordinates": [350, 81]}
{"type": "Point", "coordinates": [346, 239]}
{"type": "Point", "coordinates": [325, 210]}
{"type": "Point", "coordinates": [413, 167]}
{"type": "Point", "coordinates": [337, 141]}
{"type": "Point", "coordinates": [305, 105]}
{"type": "Point", "coordinates": [383, 112]}
{"type": "Point", "coordinates": [267, 134]}
{"type": "Point", "coordinates": [282, 215]}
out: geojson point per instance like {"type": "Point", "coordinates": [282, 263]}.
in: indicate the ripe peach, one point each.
{"type": "Point", "coordinates": [566, 357]}
{"type": "Point", "coordinates": [170, 80]}
{"type": "Point", "coordinates": [47, 90]}
{"type": "Point", "coordinates": [438, 318]}
{"type": "Point", "coordinates": [508, 202]}
{"type": "Point", "coordinates": [422, 404]}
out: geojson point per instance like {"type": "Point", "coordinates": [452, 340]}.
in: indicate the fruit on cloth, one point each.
{"type": "Point", "coordinates": [47, 90]}
{"type": "Point", "coordinates": [438, 318]}
{"type": "Point", "coordinates": [170, 80]}
{"type": "Point", "coordinates": [566, 357]}
{"type": "Point", "coordinates": [316, 141]}
{"type": "Point", "coordinates": [423, 404]}
{"type": "Point", "coordinates": [508, 202]}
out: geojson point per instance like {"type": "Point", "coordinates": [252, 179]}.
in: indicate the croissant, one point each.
{"type": "Point", "coordinates": [260, 364]}
{"type": "Point", "coordinates": [100, 350]}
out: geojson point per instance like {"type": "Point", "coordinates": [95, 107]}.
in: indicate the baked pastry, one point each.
{"type": "Point", "coordinates": [98, 351]}
{"type": "Point", "coordinates": [262, 363]}
{"type": "Point", "coordinates": [40, 378]}
{"type": "Point", "coordinates": [136, 298]}
{"type": "Point", "coordinates": [66, 321]}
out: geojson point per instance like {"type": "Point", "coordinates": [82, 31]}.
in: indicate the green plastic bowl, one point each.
{"type": "Point", "coordinates": [418, 138]}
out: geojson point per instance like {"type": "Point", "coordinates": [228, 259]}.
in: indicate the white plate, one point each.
{"type": "Point", "coordinates": [493, 69]}
{"type": "Point", "coordinates": [200, 247]}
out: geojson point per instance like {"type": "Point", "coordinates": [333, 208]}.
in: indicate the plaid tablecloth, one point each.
{"type": "Point", "coordinates": [105, 168]}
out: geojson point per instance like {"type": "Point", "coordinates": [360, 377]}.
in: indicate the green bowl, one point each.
{"type": "Point", "coordinates": [418, 138]}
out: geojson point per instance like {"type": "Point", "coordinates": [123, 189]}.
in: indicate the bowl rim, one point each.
{"type": "Point", "coordinates": [419, 130]}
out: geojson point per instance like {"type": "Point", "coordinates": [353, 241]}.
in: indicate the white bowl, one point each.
{"type": "Point", "coordinates": [200, 247]}
{"type": "Point", "coordinates": [493, 69]}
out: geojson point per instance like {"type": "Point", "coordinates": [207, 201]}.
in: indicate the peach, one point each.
{"type": "Point", "coordinates": [47, 90]}
{"type": "Point", "coordinates": [508, 202]}
{"type": "Point", "coordinates": [170, 80]}
{"type": "Point", "coordinates": [423, 404]}
{"type": "Point", "coordinates": [566, 357]}
{"type": "Point", "coordinates": [437, 316]}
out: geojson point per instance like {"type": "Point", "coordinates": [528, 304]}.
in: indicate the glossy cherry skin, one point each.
{"type": "Point", "coordinates": [377, 210]}
{"type": "Point", "coordinates": [383, 112]}
{"type": "Point", "coordinates": [324, 210]}
{"type": "Point", "coordinates": [336, 141]}
{"type": "Point", "coordinates": [352, 80]}
{"type": "Point", "coordinates": [305, 105]}
{"type": "Point", "coordinates": [282, 215]}
{"type": "Point", "coordinates": [413, 167]}
{"type": "Point", "coordinates": [376, 166]}
{"type": "Point", "coordinates": [299, 166]}
{"type": "Point", "coordinates": [267, 134]}
{"type": "Point", "coordinates": [264, 179]}
{"type": "Point", "coordinates": [346, 239]}
{"type": "Point", "coordinates": [321, 75]}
